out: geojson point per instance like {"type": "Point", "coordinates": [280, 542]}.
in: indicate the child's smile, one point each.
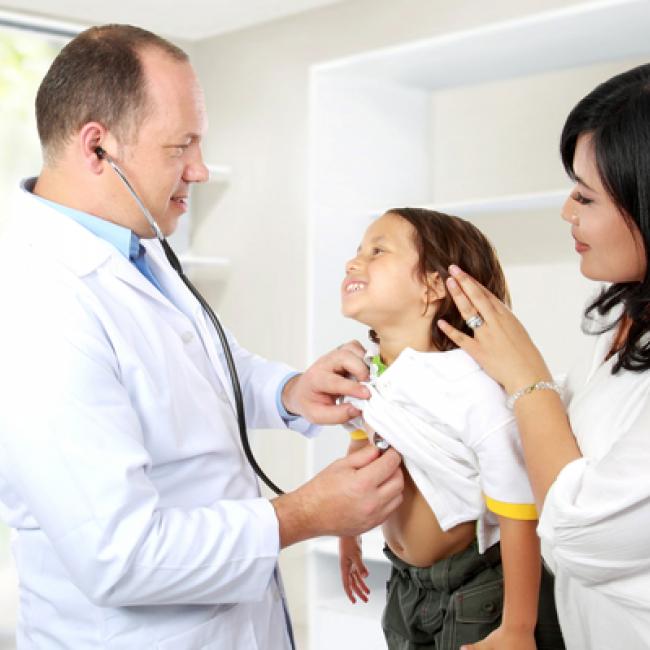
{"type": "Point", "coordinates": [381, 288]}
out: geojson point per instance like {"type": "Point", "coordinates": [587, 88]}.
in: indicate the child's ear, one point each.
{"type": "Point", "coordinates": [436, 287]}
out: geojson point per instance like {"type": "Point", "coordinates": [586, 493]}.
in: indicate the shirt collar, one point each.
{"type": "Point", "coordinates": [377, 366]}
{"type": "Point", "coordinates": [373, 360]}
{"type": "Point", "coordinates": [126, 241]}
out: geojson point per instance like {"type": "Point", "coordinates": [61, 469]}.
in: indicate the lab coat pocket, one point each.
{"type": "Point", "coordinates": [231, 629]}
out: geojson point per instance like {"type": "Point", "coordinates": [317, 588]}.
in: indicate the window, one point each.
{"type": "Point", "coordinates": [25, 56]}
{"type": "Point", "coordinates": [24, 59]}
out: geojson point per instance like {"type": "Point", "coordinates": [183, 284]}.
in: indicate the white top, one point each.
{"type": "Point", "coordinates": [595, 526]}
{"type": "Point", "coordinates": [139, 523]}
{"type": "Point", "coordinates": [458, 439]}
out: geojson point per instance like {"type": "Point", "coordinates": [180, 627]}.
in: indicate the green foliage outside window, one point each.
{"type": "Point", "coordinates": [24, 59]}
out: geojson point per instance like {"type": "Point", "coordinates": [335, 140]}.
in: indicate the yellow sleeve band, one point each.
{"type": "Point", "coordinates": [358, 434]}
{"type": "Point", "coordinates": [524, 511]}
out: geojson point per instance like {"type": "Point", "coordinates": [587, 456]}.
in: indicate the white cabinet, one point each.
{"type": "Point", "coordinates": [468, 123]}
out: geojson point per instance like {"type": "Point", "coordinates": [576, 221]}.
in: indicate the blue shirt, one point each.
{"type": "Point", "coordinates": [128, 243]}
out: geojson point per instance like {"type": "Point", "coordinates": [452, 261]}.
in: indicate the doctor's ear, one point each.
{"type": "Point", "coordinates": [92, 136]}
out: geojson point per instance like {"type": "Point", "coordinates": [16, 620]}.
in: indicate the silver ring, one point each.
{"type": "Point", "coordinates": [474, 322]}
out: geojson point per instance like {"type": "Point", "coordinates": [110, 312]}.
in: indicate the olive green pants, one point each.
{"type": "Point", "coordinates": [455, 601]}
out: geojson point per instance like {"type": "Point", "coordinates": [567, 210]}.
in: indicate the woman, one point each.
{"type": "Point", "coordinates": [589, 464]}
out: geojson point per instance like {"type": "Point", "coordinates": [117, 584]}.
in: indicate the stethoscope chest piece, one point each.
{"type": "Point", "coordinates": [380, 443]}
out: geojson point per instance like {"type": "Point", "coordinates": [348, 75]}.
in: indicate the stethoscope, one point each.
{"type": "Point", "coordinates": [176, 265]}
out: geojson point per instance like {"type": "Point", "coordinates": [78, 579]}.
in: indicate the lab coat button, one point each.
{"type": "Point", "coordinates": [187, 337]}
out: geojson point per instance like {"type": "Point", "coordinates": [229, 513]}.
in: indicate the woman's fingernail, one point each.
{"type": "Point", "coordinates": [454, 270]}
{"type": "Point", "coordinates": [452, 284]}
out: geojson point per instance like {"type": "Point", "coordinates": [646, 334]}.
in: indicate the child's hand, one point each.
{"type": "Point", "coordinates": [505, 639]}
{"type": "Point", "coordinates": [353, 570]}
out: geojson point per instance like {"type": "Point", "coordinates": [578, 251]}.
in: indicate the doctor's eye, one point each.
{"type": "Point", "coordinates": [178, 150]}
{"type": "Point", "coordinates": [376, 250]}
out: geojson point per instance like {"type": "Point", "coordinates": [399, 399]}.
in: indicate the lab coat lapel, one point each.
{"type": "Point", "coordinates": [181, 296]}
{"type": "Point", "coordinates": [125, 271]}
{"type": "Point", "coordinates": [58, 237]}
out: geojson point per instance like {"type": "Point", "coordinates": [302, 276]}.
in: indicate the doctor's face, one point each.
{"type": "Point", "coordinates": [166, 158]}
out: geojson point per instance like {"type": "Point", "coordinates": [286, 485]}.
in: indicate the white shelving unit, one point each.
{"type": "Point", "coordinates": [217, 266]}
{"type": "Point", "coordinates": [444, 123]}
{"type": "Point", "coordinates": [209, 268]}
{"type": "Point", "coordinates": [219, 173]}
{"type": "Point", "coordinates": [533, 201]}
{"type": "Point", "coordinates": [373, 544]}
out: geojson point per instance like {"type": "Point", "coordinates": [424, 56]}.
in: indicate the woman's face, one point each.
{"type": "Point", "coordinates": [610, 247]}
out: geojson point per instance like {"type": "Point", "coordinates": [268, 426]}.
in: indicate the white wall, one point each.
{"type": "Point", "coordinates": [257, 90]}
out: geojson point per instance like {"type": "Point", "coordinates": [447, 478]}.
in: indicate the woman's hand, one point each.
{"type": "Point", "coordinates": [501, 345]}
{"type": "Point", "coordinates": [353, 570]}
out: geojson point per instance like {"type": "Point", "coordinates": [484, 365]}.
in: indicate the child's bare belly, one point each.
{"type": "Point", "coordinates": [412, 531]}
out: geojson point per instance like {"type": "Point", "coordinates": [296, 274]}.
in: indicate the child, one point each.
{"type": "Point", "coordinates": [465, 480]}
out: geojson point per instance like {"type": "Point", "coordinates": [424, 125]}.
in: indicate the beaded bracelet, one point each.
{"type": "Point", "coordinates": [540, 385]}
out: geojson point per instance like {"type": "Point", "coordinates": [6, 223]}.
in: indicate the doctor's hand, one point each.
{"type": "Point", "coordinates": [348, 497]}
{"type": "Point", "coordinates": [314, 393]}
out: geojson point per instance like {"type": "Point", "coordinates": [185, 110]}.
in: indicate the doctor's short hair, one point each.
{"type": "Point", "coordinates": [97, 77]}
{"type": "Point", "coordinates": [441, 240]}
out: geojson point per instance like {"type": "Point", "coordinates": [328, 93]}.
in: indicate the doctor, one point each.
{"type": "Point", "coordinates": [138, 522]}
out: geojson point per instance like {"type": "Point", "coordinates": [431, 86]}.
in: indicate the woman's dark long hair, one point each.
{"type": "Point", "coordinates": [440, 240]}
{"type": "Point", "coordinates": [617, 116]}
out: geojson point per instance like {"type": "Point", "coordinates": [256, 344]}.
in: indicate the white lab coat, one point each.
{"type": "Point", "coordinates": [139, 522]}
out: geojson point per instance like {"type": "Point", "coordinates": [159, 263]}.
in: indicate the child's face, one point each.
{"type": "Point", "coordinates": [381, 287]}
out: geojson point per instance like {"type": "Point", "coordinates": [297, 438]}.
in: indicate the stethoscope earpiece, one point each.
{"type": "Point", "coordinates": [100, 153]}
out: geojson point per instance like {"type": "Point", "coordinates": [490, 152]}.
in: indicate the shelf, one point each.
{"type": "Point", "coordinates": [219, 173]}
{"type": "Point", "coordinates": [533, 201]}
{"type": "Point", "coordinates": [506, 204]}
{"type": "Point", "coordinates": [341, 606]}
{"type": "Point", "coordinates": [372, 545]}
{"type": "Point", "coordinates": [552, 40]}
{"type": "Point", "coordinates": [217, 266]}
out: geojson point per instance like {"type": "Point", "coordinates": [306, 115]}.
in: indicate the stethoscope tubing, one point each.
{"type": "Point", "coordinates": [230, 362]}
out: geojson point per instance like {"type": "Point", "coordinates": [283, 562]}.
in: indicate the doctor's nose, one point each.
{"type": "Point", "coordinates": [196, 171]}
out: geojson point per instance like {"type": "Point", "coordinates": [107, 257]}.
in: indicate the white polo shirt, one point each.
{"type": "Point", "coordinates": [459, 441]}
